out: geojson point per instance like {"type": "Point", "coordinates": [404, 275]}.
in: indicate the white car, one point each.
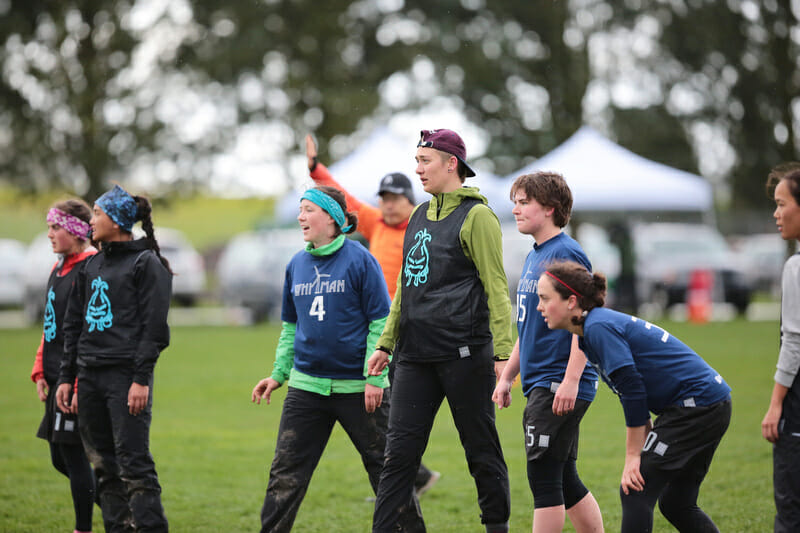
{"type": "Point", "coordinates": [189, 281]}
{"type": "Point", "coordinates": [12, 268]}
{"type": "Point", "coordinates": [188, 284]}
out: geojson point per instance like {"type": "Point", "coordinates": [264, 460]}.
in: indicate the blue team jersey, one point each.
{"type": "Point", "coordinates": [544, 352]}
{"type": "Point", "coordinates": [332, 299]}
{"type": "Point", "coordinates": [673, 373]}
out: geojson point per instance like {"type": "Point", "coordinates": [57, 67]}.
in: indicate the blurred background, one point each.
{"type": "Point", "coordinates": [664, 116]}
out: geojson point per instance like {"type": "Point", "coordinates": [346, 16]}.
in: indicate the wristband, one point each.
{"type": "Point", "coordinates": [384, 349]}
{"type": "Point", "coordinates": [499, 358]}
{"type": "Point", "coordinates": [314, 164]}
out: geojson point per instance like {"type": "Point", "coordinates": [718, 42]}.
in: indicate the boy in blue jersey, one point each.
{"type": "Point", "coordinates": [555, 379]}
{"type": "Point", "coordinates": [335, 304]}
{"type": "Point", "coordinates": [650, 371]}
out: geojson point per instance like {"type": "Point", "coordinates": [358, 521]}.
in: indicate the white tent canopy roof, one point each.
{"type": "Point", "coordinates": [604, 176]}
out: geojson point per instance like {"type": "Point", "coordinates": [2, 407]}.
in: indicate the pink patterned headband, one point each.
{"type": "Point", "coordinates": [71, 223]}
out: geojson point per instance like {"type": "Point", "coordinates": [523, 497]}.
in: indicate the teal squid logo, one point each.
{"type": "Point", "coordinates": [416, 267]}
{"type": "Point", "coordinates": [50, 317]}
{"type": "Point", "coordinates": [98, 312]}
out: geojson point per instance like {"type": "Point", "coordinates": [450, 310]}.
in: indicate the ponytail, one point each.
{"type": "Point", "coordinates": [575, 280]}
{"type": "Point", "coordinates": [143, 213]}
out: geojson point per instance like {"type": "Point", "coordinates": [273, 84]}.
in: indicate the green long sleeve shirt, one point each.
{"type": "Point", "coordinates": [482, 242]}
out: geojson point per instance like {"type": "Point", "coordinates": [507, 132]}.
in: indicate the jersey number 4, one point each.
{"type": "Point", "coordinates": [318, 308]}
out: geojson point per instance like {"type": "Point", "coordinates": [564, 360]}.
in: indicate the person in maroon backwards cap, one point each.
{"type": "Point", "coordinates": [449, 329]}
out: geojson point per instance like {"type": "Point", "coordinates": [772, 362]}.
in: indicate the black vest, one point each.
{"type": "Point", "coordinates": [55, 308]}
{"type": "Point", "coordinates": [444, 312]}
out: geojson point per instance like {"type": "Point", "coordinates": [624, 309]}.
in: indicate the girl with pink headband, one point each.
{"type": "Point", "coordinates": [68, 231]}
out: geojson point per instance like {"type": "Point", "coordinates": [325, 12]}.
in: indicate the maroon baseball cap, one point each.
{"type": "Point", "coordinates": [446, 141]}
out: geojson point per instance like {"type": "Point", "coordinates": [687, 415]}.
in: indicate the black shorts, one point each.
{"type": "Point", "coordinates": [683, 434]}
{"type": "Point", "coordinates": [56, 426]}
{"type": "Point", "coordinates": [786, 482]}
{"type": "Point", "coordinates": [548, 434]}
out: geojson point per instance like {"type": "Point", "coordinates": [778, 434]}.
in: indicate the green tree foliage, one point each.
{"type": "Point", "coordinates": [92, 91]}
{"type": "Point", "coordinates": [737, 63]}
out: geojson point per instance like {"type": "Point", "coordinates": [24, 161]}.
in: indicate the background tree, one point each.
{"type": "Point", "coordinates": [189, 94]}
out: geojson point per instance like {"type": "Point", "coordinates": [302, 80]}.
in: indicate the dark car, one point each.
{"type": "Point", "coordinates": [667, 255]}
{"type": "Point", "coordinates": [251, 270]}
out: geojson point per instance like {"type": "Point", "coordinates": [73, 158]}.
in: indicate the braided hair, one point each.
{"type": "Point", "coordinates": [143, 213]}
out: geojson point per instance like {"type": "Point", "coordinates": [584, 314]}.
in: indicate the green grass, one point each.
{"type": "Point", "coordinates": [213, 447]}
{"type": "Point", "coordinates": [206, 221]}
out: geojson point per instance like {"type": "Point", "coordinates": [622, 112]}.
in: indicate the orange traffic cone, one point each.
{"type": "Point", "coordinates": [698, 296]}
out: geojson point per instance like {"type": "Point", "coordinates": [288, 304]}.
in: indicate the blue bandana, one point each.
{"type": "Point", "coordinates": [120, 206]}
{"type": "Point", "coordinates": [330, 206]}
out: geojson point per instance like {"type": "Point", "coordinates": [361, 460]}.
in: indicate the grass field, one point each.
{"type": "Point", "coordinates": [213, 447]}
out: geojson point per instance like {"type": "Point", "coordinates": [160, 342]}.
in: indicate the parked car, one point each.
{"type": "Point", "coordinates": [189, 281]}
{"type": "Point", "coordinates": [668, 253]}
{"type": "Point", "coordinates": [188, 284]}
{"type": "Point", "coordinates": [39, 261]}
{"type": "Point", "coordinates": [762, 255]}
{"type": "Point", "coordinates": [251, 270]}
{"type": "Point", "coordinates": [12, 268]}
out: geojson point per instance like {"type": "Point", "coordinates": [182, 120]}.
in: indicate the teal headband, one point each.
{"type": "Point", "coordinates": [330, 206]}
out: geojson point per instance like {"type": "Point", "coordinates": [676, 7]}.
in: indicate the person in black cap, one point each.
{"type": "Point", "coordinates": [384, 228]}
{"type": "Point", "coordinates": [449, 329]}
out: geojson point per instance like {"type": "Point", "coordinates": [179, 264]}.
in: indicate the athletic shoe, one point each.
{"type": "Point", "coordinates": [428, 484]}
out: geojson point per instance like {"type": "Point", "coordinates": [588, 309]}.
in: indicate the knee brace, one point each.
{"type": "Point", "coordinates": [574, 489]}
{"type": "Point", "coordinates": [545, 479]}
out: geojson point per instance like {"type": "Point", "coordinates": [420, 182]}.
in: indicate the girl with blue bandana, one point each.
{"type": "Point", "coordinates": [114, 330]}
{"type": "Point", "coordinates": [68, 231]}
{"type": "Point", "coordinates": [335, 304]}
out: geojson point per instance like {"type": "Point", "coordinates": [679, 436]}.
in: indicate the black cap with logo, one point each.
{"type": "Point", "coordinates": [397, 183]}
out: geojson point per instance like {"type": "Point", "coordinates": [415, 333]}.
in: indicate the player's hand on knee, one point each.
{"type": "Point", "coordinates": [631, 475]}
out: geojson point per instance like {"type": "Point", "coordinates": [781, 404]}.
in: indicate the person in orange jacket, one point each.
{"type": "Point", "coordinates": [384, 227]}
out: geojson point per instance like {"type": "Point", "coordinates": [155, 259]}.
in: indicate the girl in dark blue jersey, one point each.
{"type": "Point", "coordinates": [650, 371]}
{"type": "Point", "coordinates": [335, 304]}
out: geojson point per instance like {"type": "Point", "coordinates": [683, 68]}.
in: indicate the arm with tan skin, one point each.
{"type": "Point", "coordinates": [789, 356]}
{"type": "Point", "coordinates": [567, 391]}
{"type": "Point", "coordinates": [634, 442]}
{"type": "Point", "coordinates": [502, 392]}
{"type": "Point", "coordinates": [771, 421]}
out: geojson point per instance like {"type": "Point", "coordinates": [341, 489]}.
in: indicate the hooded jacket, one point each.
{"type": "Point", "coordinates": [117, 311]}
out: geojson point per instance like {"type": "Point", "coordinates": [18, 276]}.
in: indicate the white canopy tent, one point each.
{"type": "Point", "coordinates": [606, 177]}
